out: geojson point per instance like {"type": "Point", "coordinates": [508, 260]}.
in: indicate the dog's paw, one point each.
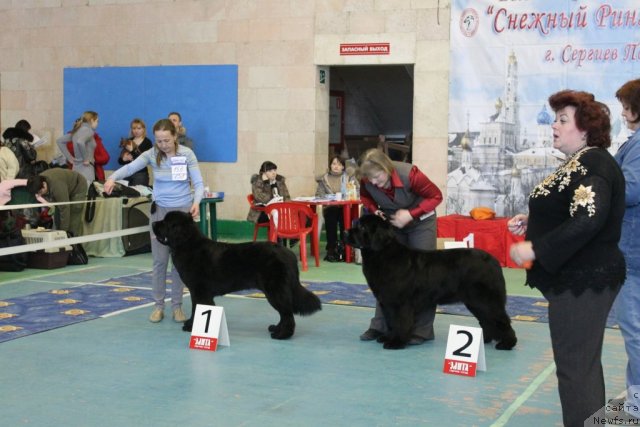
{"type": "Point", "coordinates": [281, 335]}
{"type": "Point", "coordinates": [382, 338]}
{"type": "Point", "coordinates": [394, 345]}
{"type": "Point", "coordinates": [187, 325]}
{"type": "Point", "coordinates": [505, 345]}
{"type": "Point", "coordinates": [272, 328]}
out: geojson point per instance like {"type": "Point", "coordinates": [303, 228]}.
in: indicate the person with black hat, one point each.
{"type": "Point", "coordinates": [19, 141]}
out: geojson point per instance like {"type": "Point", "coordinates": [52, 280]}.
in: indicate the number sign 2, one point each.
{"type": "Point", "coordinates": [465, 351]}
{"type": "Point", "coordinates": [209, 328]}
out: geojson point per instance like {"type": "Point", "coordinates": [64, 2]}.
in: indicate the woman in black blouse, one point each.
{"type": "Point", "coordinates": [571, 248]}
{"type": "Point", "coordinates": [132, 148]}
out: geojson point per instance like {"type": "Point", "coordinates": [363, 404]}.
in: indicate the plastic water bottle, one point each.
{"type": "Point", "coordinates": [351, 191]}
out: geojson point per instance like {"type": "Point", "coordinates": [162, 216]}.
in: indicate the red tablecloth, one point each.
{"type": "Point", "coordinates": [350, 211]}
{"type": "Point", "coordinates": [490, 235]}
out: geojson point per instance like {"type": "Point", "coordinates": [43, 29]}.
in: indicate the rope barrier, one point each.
{"type": "Point", "coordinates": [73, 240]}
{"type": "Point", "coordinates": [49, 204]}
{"type": "Point", "coordinates": [61, 243]}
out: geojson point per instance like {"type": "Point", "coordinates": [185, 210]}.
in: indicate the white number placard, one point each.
{"type": "Point", "coordinates": [209, 328]}
{"type": "Point", "coordinates": [465, 351]}
{"type": "Point", "coordinates": [178, 168]}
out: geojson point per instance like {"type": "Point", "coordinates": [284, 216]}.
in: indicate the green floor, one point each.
{"type": "Point", "coordinates": [122, 370]}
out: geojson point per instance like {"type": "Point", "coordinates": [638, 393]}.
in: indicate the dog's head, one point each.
{"type": "Point", "coordinates": [176, 229]}
{"type": "Point", "coordinates": [371, 232]}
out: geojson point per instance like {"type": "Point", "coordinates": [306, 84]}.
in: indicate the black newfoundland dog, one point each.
{"type": "Point", "coordinates": [210, 269]}
{"type": "Point", "coordinates": [404, 280]}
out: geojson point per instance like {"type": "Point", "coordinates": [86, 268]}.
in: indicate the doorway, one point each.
{"type": "Point", "coordinates": [367, 101]}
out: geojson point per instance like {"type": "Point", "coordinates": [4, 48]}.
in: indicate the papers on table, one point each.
{"type": "Point", "coordinates": [327, 198]}
{"type": "Point", "coordinates": [276, 199]}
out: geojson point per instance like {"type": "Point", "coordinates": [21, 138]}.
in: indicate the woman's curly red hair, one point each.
{"type": "Point", "coordinates": [591, 116]}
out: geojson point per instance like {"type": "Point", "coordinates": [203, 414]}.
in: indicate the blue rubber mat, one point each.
{"type": "Point", "coordinates": [527, 309]}
{"type": "Point", "coordinates": [43, 311]}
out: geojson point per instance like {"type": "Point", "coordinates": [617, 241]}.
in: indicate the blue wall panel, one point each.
{"type": "Point", "coordinates": [205, 95]}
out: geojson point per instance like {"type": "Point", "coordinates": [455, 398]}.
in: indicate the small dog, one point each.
{"type": "Point", "coordinates": [405, 280]}
{"type": "Point", "coordinates": [127, 146]}
{"type": "Point", "coordinates": [210, 269]}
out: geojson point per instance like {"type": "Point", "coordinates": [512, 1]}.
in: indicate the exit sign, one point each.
{"type": "Point", "coordinates": [365, 48]}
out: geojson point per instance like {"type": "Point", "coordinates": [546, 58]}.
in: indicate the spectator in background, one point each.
{"type": "Point", "coordinates": [183, 139]}
{"type": "Point", "coordinates": [265, 186]}
{"type": "Point", "coordinates": [69, 143]}
{"type": "Point", "coordinates": [627, 304]}
{"type": "Point", "coordinates": [58, 158]}
{"type": "Point", "coordinates": [65, 145]}
{"type": "Point", "coordinates": [6, 185]}
{"type": "Point", "coordinates": [334, 181]}
{"type": "Point", "coordinates": [19, 142]}
{"type": "Point", "coordinates": [62, 185]}
{"type": "Point", "coordinates": [9, 166]}
{"type": "Point", "coordinates": [84, 145]}
{"type": "Point", "coordinates": [101, 158]}
{"type": "Point", "coordinates": [131, 150]}
{"type": "Point", "coordinates": [26, 126]}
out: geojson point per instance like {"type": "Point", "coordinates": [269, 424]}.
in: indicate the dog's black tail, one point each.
{"type": "Point", "coordinates": [305, 302]}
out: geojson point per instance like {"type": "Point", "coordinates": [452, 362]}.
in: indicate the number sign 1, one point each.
{"type": "Point", "coordinates": [209, 328]}
{"type": "Point", "coordinates": [465, 351]}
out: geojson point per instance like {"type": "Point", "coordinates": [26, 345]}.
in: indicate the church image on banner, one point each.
{"type": "Point", "coordinates": [499, 164]}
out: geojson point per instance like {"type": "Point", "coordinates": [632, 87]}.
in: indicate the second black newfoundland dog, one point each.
{"type": "Point", "coordinates": [210, 269]}
{"type": "Point", "coordinates": [405, 280]}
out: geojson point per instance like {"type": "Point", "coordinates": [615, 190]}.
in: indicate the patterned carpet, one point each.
{"type": "Point", "coordinates": [526, 309]}
{"type": "Point", "coordinates": [43, 311]}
